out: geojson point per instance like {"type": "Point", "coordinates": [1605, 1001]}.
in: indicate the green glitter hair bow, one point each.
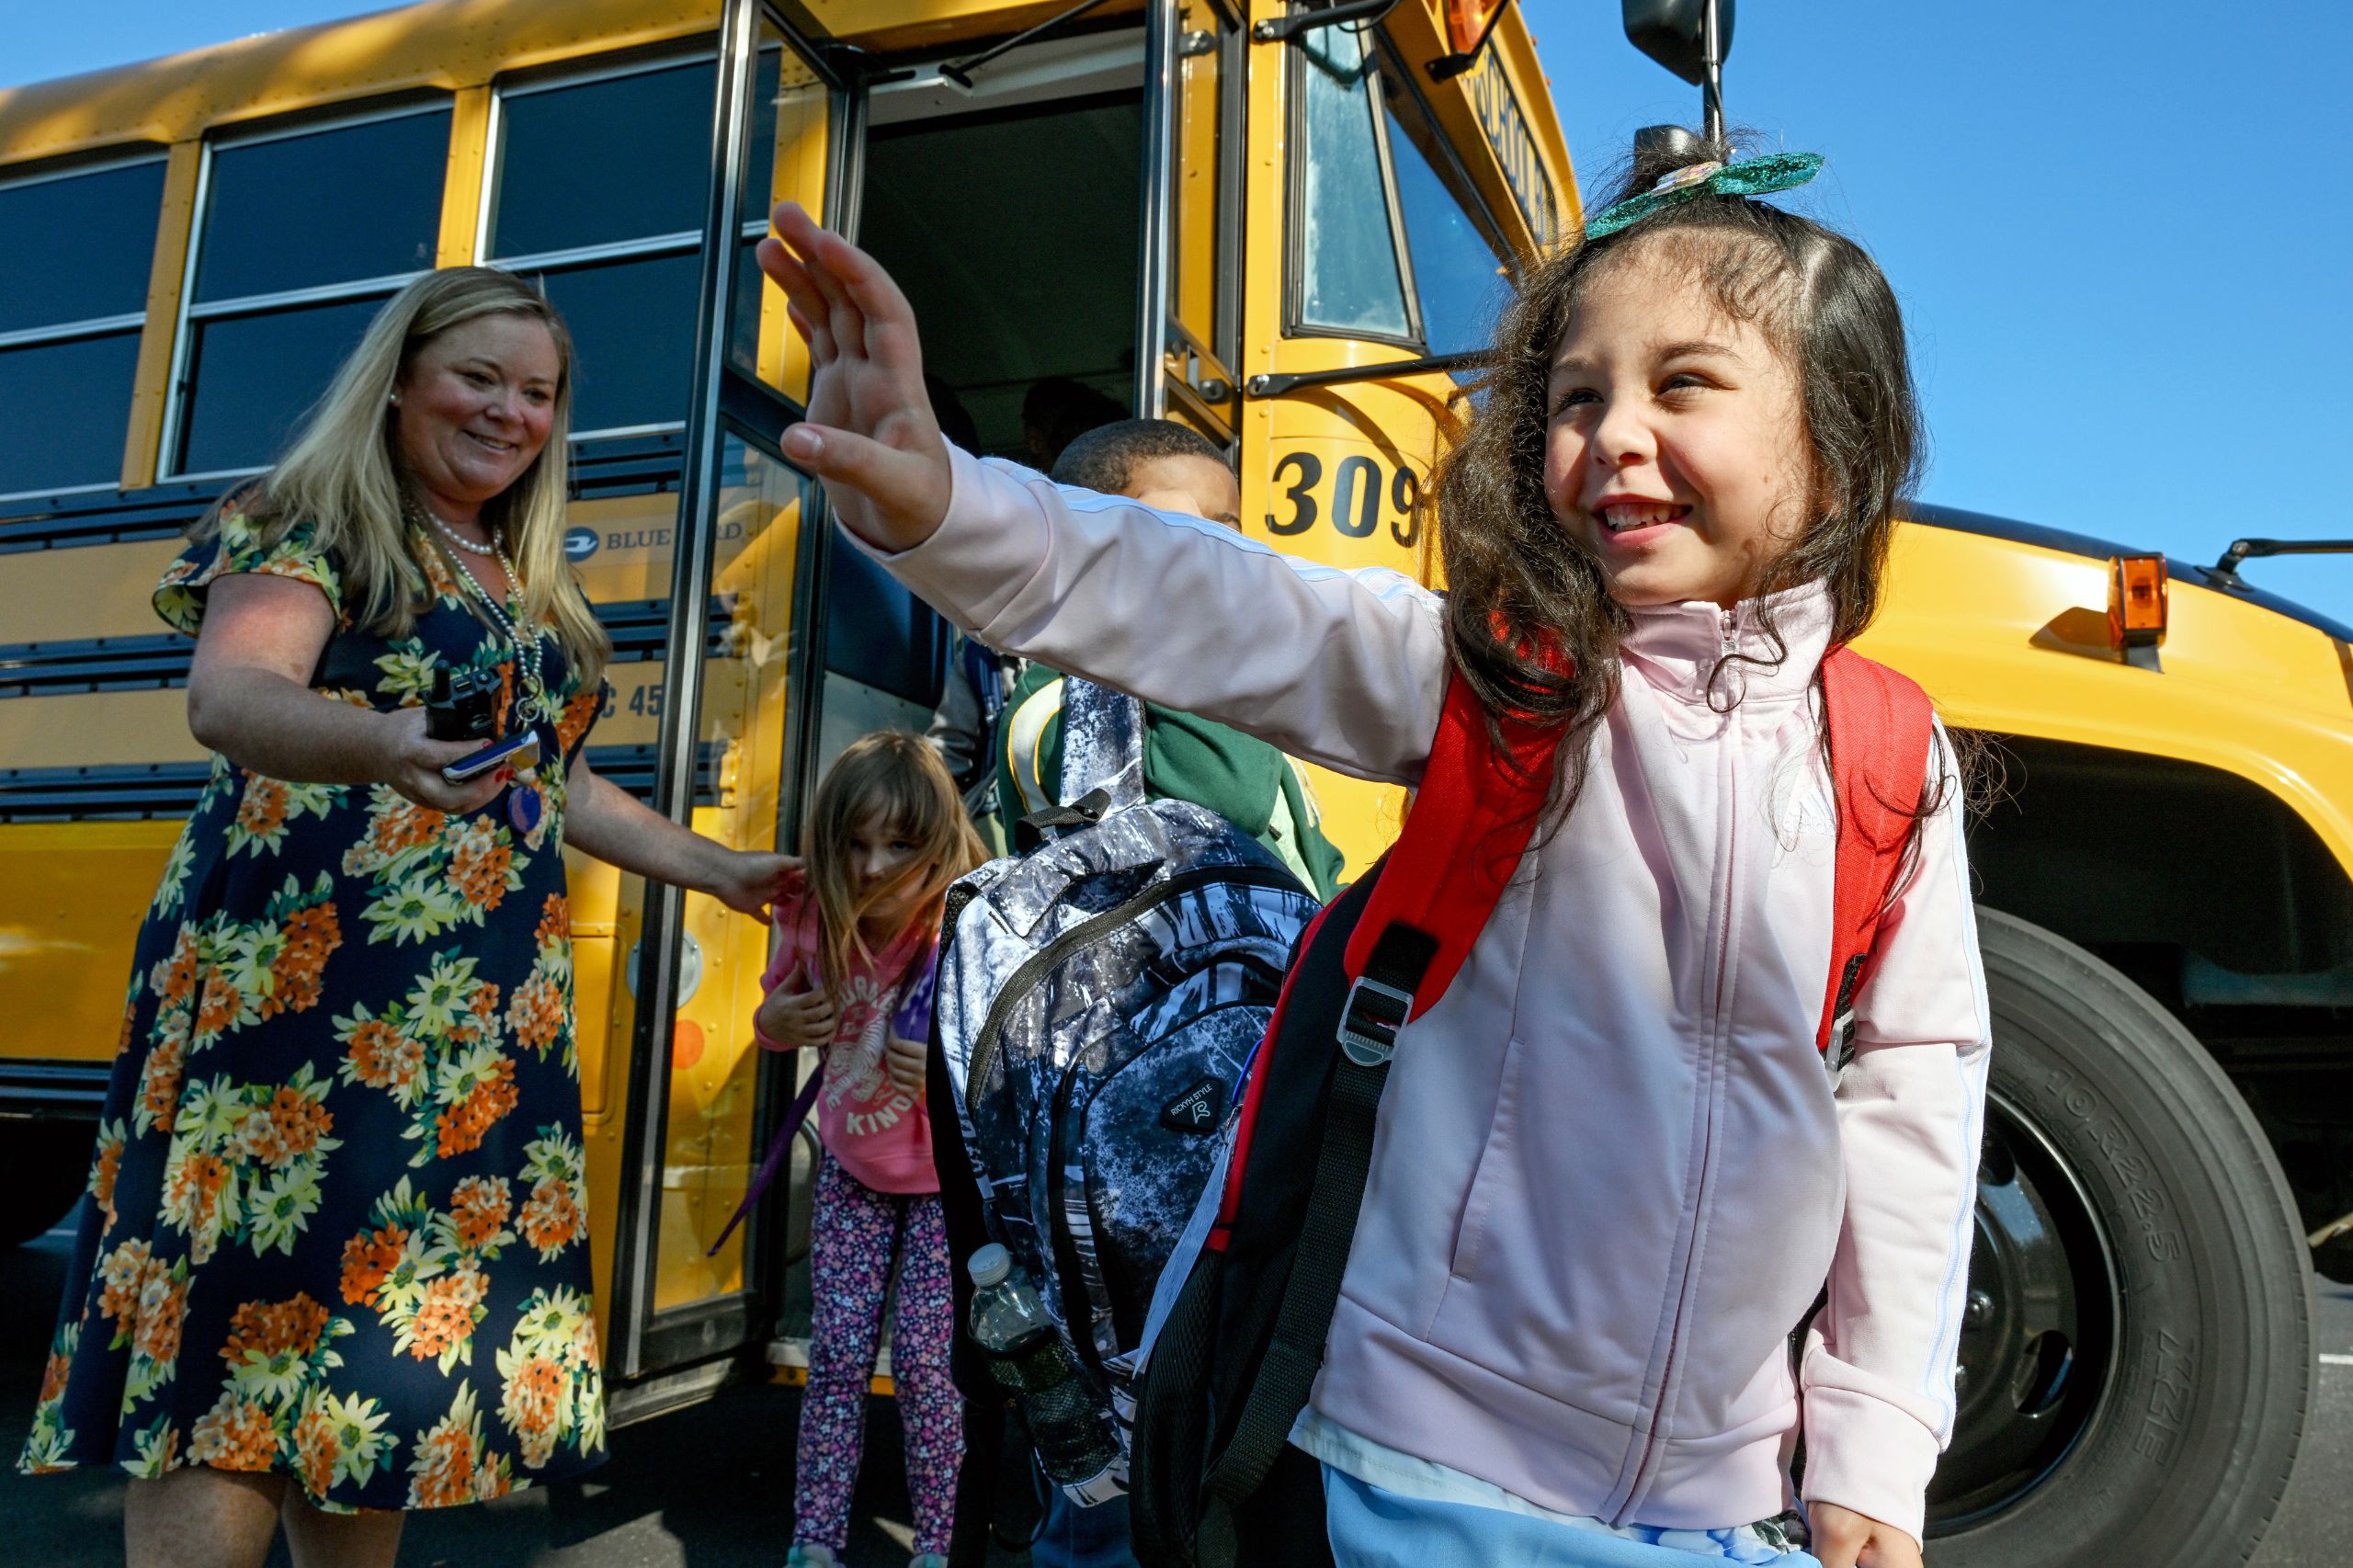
{"type": "Point", "coordinates": [1750, 177]}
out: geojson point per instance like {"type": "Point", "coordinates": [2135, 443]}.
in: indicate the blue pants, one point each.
{"type": "Point", "coordinates": [1072, 1537]}
{"type": "Point", "coordinates": [1371, 1527]}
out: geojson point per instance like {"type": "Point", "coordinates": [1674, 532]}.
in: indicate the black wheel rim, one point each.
{"type": "Point", "coordinates": [2039, 1331]}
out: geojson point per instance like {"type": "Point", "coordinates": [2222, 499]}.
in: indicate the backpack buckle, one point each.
{"type": "Point", "coordinates": [1369, 1022]}
{"type": "Point", "coordinates": [1842, 1044]}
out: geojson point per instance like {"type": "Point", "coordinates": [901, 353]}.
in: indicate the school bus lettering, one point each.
{"type": "Point", "coordinates": [1406, 496]}
{"type": "Point", "coordinates": [1362, 488]}
{"type": "Point", "coordinates": [1356, 505]}
{"type": "Point", "coordinates": [1506, 125]}
{"type": "Point", "coordinates": [1302, 495]}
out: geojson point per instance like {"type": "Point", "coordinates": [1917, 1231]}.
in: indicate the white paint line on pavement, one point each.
{"type": "Point", "coordinates": [2329, 1360]}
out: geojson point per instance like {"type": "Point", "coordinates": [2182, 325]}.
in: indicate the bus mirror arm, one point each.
{"type": "Point", "coordinates": [1274, 29]}
{"type": "Point", "coordinates": [961, 71]}
{"type": "Point", "coordinates": [1447, 67]}
{"type": "Point", "coordinates": [1690, 38]}
{"type": "Point", "coordinates": [2226, 570]}
{"type": "Point", "coordinates": [1277, 384]}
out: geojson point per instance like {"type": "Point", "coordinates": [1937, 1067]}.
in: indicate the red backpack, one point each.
{"type": "Point", "coordinates": [1231, 1369]}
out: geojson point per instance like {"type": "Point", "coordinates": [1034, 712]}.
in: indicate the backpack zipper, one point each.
{"type": "Point", "coordinates": [1033, 968]}
{"type": "Point", "coordinates": [1063, 1162]}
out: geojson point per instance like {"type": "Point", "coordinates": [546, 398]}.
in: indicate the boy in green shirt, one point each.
{"type": "Point", "coordinates": [1242, 778]}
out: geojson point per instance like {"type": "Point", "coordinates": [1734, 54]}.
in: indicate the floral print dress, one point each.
{"type": "Point", "coordinates": [338, 1226]}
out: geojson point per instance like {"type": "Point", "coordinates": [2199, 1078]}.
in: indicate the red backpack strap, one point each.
{"type": "Point", "coordinates": [1472, 817]}
{"type": "Point", "coordinates": [1882, 726]}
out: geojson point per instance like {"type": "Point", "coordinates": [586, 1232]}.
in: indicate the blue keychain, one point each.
{"type": "Point", "coordinates": [525, 807]}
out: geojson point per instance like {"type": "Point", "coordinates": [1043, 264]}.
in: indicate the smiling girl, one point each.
{"type": "Point", "coordinates": [852, 975]}
{"type": "Point", "coordinates": [1610, 1177]}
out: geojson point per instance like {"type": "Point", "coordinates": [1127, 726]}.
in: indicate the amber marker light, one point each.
{"type": "Point", "coordinates": [2136, 608]}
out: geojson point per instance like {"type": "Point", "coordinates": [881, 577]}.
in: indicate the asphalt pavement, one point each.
{"type": "Point", "coordinates": [711, 1486]}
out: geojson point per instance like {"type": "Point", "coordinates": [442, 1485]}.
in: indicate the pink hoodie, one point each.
{"type": "Point", "coordinates": [880, 1133]}
{"type": "Point", "coordinates": [1610, 1173]}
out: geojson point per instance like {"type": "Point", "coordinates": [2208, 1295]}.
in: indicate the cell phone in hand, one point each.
{"type": "Point", "coordinates": [519, 751]}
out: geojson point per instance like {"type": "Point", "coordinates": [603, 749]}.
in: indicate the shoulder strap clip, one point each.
{"type": "Point", "coordinates": [1382, 996]}
{"type": "Point", "coordinates": [1369, 1022]}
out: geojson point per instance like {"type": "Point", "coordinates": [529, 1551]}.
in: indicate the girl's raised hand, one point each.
{"type": "Point", "coordinates": [1845, 1539]}
{"type": "Point", "coordinates": [870, 433]}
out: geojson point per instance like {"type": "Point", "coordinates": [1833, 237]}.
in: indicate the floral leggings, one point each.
{"type": "Point", "coordinates": [855, 1230]}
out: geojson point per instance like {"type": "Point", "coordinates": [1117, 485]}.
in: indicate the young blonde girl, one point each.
{"type": "Point", "coordinates": [852, 975]}
{"type": "Point", "coordinates": [1610, 1173]}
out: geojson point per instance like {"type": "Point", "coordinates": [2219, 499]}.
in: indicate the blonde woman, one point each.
{"type": "Point", "coordinates": [337, 1264]}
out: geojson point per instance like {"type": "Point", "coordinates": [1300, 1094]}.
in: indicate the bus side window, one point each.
{"type": "Point", "coordinates": [1346, 276]}
{"type": "Point", "coordinates": [886, 655]}
{"type": "Point", "coordinates": [597, 192]}
{"type": "Point", "coordinates": [72, 299]}
{"type": "Point", "coordinates": [283, 216]}
{"type": "Point", "coordinates": [1461, 274]}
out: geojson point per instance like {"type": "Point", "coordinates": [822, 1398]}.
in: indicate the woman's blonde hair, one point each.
{"type": "Point", "coordinates": [343, 472]}
{"type": "Point", "coordinates": [897, 778]}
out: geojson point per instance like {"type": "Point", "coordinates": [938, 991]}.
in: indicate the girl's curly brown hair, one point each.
{"type": "Point", "coordinates": [1531, 621]}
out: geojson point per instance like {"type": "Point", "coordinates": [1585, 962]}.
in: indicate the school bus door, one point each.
{"type": "Point", "coordinates": [737, 703]}
{"type": "Point", "coordinates": [1191, 306]}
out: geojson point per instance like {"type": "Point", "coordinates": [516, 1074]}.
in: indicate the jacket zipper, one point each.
{"type": "Point", "coordinates": [1728, 642]}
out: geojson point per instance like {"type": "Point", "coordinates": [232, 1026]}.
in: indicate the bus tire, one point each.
{"type": "Point", "coordinates": [44, 1169]}
{"type": "Point", "coordinates": [2136, 1350]}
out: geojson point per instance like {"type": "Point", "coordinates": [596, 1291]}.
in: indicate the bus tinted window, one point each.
{"type": "Point", "coordinates": [254, 376]}
{"type": "Point", "coordinates": [618, 166]}
{"type": "Point", "coordinates": [634, 335]}
{"type": "Point", "coordinates": [298, 212]}
{"type": "Point", "coordinates": [772, 87]}
{"type": "Point", "coordinates": [1348, 280]}
{"type": "Point", "coordinates": [1457, 279]}
{"type": "Point", "coordinates": [69, 408]}
{"type": "Point", "coordinates": [75, 301]}
{"type": "Point", "coordinates": [96, 238]}
{"type": "Point", "coordinates": [343, 213]}
{"type": "Point", "coordinates": [879, 634]}
{"type": "Point", "coordinates": [597, 163]}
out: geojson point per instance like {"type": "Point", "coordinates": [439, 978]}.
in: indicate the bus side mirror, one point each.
{"type": "Point", "coordinates": [1672, 33]}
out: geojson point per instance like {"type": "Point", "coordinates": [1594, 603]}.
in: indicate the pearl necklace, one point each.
{"type": "Point", "coordinates": [460, 540]}
{"type": "Point", "coordinates": [532, 704]}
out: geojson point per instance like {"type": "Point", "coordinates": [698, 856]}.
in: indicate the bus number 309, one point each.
{"type": "Point", "coordinates": [1354, 502]}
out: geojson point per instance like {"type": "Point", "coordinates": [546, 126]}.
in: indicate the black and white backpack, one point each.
{"type": "Point", "coordinates": [1099, 1001]}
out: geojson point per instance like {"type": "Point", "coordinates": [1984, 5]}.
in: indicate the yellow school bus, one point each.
{"type": "Point", "coordinates": [1286, 225]}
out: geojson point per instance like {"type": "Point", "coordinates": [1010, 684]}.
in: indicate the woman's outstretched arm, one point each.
{"type": "Point", "coordinates": [606, 820]}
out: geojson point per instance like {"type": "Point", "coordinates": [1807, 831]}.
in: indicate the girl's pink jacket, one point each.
{"type": "Point", "coordinates": [1611, 1172]}
{"type": "Point", "coordinates": [880, 1133]}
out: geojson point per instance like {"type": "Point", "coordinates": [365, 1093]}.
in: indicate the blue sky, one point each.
{"type": "Point", "coordinates": [2122, 234]}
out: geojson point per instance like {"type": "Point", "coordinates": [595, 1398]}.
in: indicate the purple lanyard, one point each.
{"type": "Point", "coordinates": [910, 1020]}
